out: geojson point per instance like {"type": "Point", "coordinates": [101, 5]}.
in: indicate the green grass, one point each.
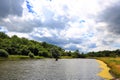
{"type": "Point", "coordinates": [66, 57]}
{"type": "Point", "coordinates": [19, 57]}
{"type": "Point", "coordinates": [1, 58]}
{"type": "Point", "coordinates": [114, 64]}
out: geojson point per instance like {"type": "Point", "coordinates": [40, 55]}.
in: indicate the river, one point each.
{"type": "Point", "coordinates": [49, 69]}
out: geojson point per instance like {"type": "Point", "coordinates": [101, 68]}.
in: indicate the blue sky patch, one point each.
{"type": "Point", "coordinates": [82, 21]}
{"type": "Point", "coordinates": [93, 45]}
{"type": "Point", "coordinates": [29, 7]}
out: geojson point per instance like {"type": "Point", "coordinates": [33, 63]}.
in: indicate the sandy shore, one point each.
{"type": "Point", "coordinates": [104, 73]}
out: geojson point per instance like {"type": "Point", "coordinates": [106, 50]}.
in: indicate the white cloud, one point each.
{"type": "Point", "coordinates": [21, 35]}
{"type": "Point", "coordinates": [59, 22]}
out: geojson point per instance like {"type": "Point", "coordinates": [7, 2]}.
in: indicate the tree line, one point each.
{"type": "Point", "coordinates": [23, 46]}
{"type": "Point", "coordinates": [105, 53]}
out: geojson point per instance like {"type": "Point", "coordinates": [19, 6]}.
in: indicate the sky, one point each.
{"type": "Point", "coordinates": [86, 25]}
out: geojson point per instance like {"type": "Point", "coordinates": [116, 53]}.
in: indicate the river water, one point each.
{"type": "Point", "coordinates": [49, 69]}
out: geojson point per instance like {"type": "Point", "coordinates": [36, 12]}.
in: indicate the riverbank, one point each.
{"type": "Point", "coordinates": [114, 64]}
{"type": "Point", "coordinates": [104, 73]}
{"type": "Point", "coordinates": [19, 57]}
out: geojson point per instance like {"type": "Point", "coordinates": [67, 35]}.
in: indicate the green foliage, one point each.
{"type": "Point", "coordinates": [82, 55]}
{"type": "Point", "coordinates": [105, 53]}
{"type": "Point", "coordinates": [34, 49]}
{"type": "Point", "coordinates": [22, 46]}
{"type": "Point", "coordinates": [40, 53]}
{"type": "Point", "coordinates": [55, 53]}
{"type": "Point", "coordinates": [3, 35]}
{"type": "Point", "coordinates": [44, 53]}
{"type": "Point", "coordinates": [3, 53]}
{"type": "Point", "coordinates": [75, 54]}
{"type": "Point", "coordinates": [24, 51]}
{"type": "Point", "coordinates": [31, 55]}
{"type": "Point", "coordinates": [44, 44]}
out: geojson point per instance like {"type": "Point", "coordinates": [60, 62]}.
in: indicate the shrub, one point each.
{"type": "Point", "coordinates": [40, 53]}
{"type": "Point", "coordinates": [44, 53]}
{"type": "Point", "coordinates": [31, 55]}
{"type": "Point", "coordinates": [25, 51]}
{"type": "Point", "coordinates": [3, 53]}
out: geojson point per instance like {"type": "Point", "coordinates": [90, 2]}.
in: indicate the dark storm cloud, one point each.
{"type": "Point", "coordinates": [60, 41]}
{"type": "Point", "coordinates": [25, 26]}
{"type": "Point", "coordinates": [52, 40]}
{"type": "Point", "coordinates": [22, 26]}
{"type": "Point", "coordinates": [10, 7]}
{"type": "Point", "coordinates": [111, 16]}
{"type": "Point", "coordinates": [105, 42]}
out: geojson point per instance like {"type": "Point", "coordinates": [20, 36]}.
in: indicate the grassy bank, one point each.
{"type": "Point", "coordinates": [66, 57]}
{"type": "Point", "coordinates": [18, 57]}
{"type": "Point", "coordinates": [114, 64]}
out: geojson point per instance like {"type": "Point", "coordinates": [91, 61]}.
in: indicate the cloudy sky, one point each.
{"type": "Point", "coordinates": [87, 25]}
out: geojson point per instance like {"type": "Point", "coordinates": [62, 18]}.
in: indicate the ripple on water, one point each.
{"type": "Point", "coordinates": [49, 69]}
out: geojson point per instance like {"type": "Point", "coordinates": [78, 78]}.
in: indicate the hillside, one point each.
{"type": "Point", "coordinates": [22, 46]}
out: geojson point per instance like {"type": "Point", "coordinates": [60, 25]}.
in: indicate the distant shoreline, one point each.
{"type": "Point", "coordinates": [20, 57]}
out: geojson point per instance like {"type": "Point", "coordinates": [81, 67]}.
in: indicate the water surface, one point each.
{"type": "Point", "coordinates": [49, 69]}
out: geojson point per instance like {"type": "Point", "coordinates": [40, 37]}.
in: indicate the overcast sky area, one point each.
{"type": "Point", "coordinates": [86, 25]}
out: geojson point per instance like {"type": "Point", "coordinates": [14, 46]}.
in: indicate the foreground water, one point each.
{"type": "Point", "coordinates": [49, 69]}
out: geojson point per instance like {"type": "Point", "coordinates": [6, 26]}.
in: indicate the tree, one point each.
{"type": "Point", "coordinates": [3, 35]}
{"type": "Point", "coordinates": [44, 53]}
{"type": "Point", "coordinates": [24, 50]}
{"type": "Point", "coordinates": [44, 44]}
{"type": "Point", "coordinates": [75, 54]}
{"type": "Point", "coordinates": [34, 50]}
{"type": "Point", "coordinates": [55, 53]}
{"type": "Point", "coordinates": [22, 46]}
